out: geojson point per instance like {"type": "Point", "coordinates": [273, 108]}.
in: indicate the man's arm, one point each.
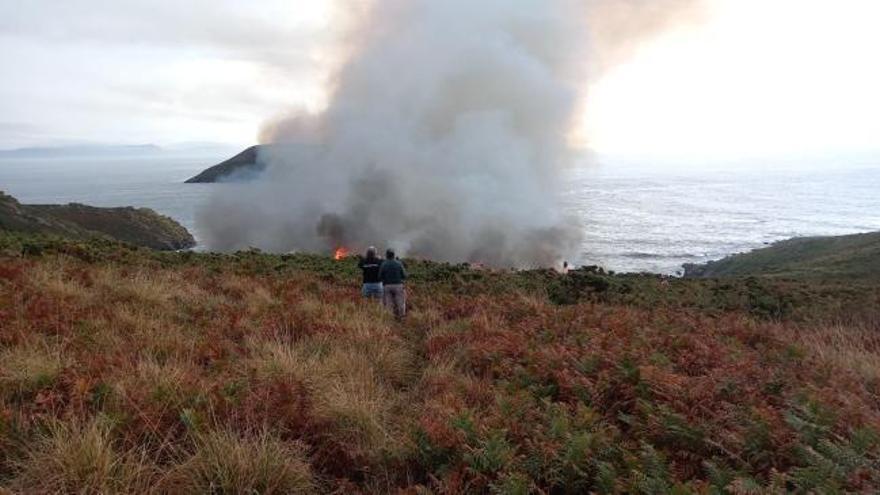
{"type": "Point", "coordinates": [402, 271]}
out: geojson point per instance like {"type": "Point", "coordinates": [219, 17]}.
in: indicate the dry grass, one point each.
{"type": "Point", "coordinates": [52, 277]}
{"type": "Point", "coordinates": [28, 368]}
{"type": "Point", "coordinates": [75, 457]}
{"type": "Point", "coordinates": [225, 462]}
{"type": "Point", "coordinates": [353, 376]}
{"type": "Point", "coordinates": [135, 377]}
{"type": "Point", "coordinates": [844, 346]}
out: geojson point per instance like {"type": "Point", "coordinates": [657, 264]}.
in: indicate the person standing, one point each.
{"type": "Point", "coordinates": [393, 275]}
{"type": "Point", "coordinates": [369, 265]}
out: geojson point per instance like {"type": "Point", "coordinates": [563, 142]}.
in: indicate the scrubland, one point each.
{"type": "Point", "coordinates": [123, 370]}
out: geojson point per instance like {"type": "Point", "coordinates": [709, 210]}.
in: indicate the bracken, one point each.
{"type": "Point", "coordinates": [124, 370]}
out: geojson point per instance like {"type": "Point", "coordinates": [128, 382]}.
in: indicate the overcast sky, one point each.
{"type": "Point", "coordinates": [758, 75]}
{"type": "Point", "coordinates": [133, 71]}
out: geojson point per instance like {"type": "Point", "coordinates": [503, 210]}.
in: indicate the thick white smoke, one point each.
{"type": "Point", "coordinates": [445, 134]}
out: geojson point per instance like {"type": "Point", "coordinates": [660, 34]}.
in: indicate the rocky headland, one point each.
{"type": "Point", "coordinates": [246, 164]}
{"type": "Point", "coordinates": [138, 226]}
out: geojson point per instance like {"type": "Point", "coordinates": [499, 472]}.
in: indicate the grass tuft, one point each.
{"type": "Point", "coordinates": [76, 457]}
{"type": "Point", "coordinates": [29, 368]}
{"type": "Point", "coordinates": [225, 462]}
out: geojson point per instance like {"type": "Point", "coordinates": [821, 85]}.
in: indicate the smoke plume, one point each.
{"type": "Point", "coordinates": [445, 135]}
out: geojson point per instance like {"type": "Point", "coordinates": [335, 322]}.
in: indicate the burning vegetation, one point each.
{"type": "Point", "coordinates": [341, 253]}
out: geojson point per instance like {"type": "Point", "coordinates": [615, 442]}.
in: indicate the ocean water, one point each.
{"type": "Point", "coordinates": [634, 217]}
{"type": "Point", "coordinates": [155, 182]}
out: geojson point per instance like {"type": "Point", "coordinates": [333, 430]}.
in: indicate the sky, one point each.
{"type": "Point", "coordinates": [758, 77]}
{"type": "Point", "coordinates": [752, 77]}
{"type": "Point", "coordinates": [154, 71]}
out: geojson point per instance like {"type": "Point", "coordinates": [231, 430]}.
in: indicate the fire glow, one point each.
{"type": "Point", "coordinates": [341, 253]}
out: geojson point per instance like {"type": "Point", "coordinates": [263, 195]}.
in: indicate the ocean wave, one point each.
{"type": "Point", "coordinates": [644, 256]}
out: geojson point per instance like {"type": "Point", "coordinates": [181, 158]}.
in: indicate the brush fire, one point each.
{"type": "Point", "coordinates": [341, 253]}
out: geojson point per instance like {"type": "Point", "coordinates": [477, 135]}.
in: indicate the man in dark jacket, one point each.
{"type": "Point", "coordinates": [393, 275]}
{"type": "Point", "coordinates": [370, 265]}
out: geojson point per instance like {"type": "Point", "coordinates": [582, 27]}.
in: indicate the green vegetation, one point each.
{"type": "Point", "coordinates": [843, 257]}
{"type": "Point", "coordinates": [142, 227]}
{"type": "Point", "coordinates": [126, 370]}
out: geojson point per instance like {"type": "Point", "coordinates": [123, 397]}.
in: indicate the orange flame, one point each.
{"type": "Point", "coordinates": [341, 253]}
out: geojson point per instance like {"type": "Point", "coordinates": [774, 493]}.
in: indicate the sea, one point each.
{"type": "Point", "coordinates": [635, 216]}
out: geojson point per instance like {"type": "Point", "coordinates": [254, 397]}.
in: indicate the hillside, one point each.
{"type": "Point", "coordinates": [850, 256]}
{"type": "Point", "coordinates": [243, 165]}
{"type": "Point", "coordinates": [124, 370]}
{"type": "Point", "coordinates": [252, 162]}
{"type": "Point", "coordinates": [142, 227]}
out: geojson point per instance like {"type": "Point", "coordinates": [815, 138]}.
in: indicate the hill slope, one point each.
{"type": "Point", "coordinates": [252, 373]}
{"type": "Point", "coordinates": [850, 256]}
{"type": "Point", "coordinates": [142, 227]}
{"type": "Point", "coordinates": [252, 162]}
{"type": "Point", "coordinates": [245, 164]}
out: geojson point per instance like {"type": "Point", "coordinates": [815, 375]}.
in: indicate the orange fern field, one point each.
{"type": "Point", "coordinates": [128, 371]}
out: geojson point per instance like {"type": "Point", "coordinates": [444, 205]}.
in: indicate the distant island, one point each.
{"type": "Point", "coordinates": [82, 150]}
{"type": "Point", "coordinates": [110, 151]}
{"type": "Point", "coordinates": [850, 256]}
{"type": "Point", "coordinates": [138, 226]}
